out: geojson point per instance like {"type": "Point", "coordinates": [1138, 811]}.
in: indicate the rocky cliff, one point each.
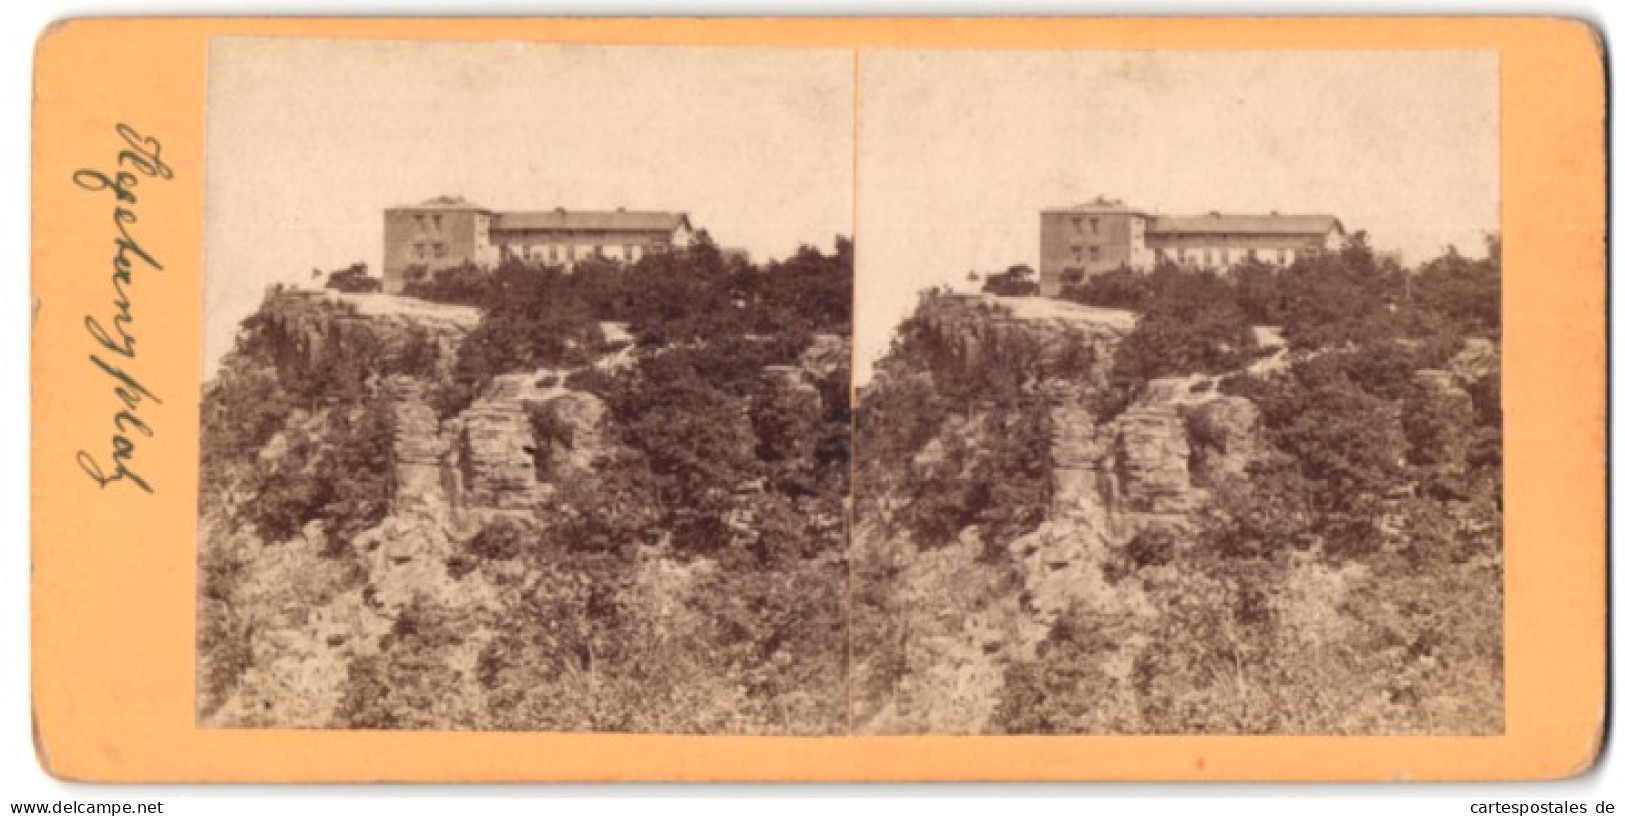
{"type": "Point", "coordinates": [294, 628]}
{"type": "Point", "coordinates": [315, 327]}
{"type": "Point", "coordinates": [297, 615]}
{"type": "Point", "coordinates": [945, 627]}
{"type": "Point", "coordinates": [1148, 468]}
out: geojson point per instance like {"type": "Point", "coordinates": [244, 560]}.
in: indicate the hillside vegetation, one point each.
{"type": "Point", "coordinates": [609, 500]}
{"type": "Point", "coordinates": [1065, 527]}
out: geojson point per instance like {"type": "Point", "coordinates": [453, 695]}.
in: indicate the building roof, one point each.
{"type": "Point", "coordinates": [1236, 224]}
{"type": "Point", "coordinates": [444, 202]}
{"type": "Point", "coordinates": [590, 220]}
{"type": "Point", "coordinates": [1101, 204]}
{"type": "Point", "coordinates": [1210, 223]}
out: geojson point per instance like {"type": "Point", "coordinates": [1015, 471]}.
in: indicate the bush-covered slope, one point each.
{"type": "Point", "coordinates": [611, 500]}
{"type": "Point", "coordinates": [1066, 526]}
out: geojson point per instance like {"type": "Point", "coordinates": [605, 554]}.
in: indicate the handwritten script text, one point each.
{"type": "Point", "coordinates": [112, 330]}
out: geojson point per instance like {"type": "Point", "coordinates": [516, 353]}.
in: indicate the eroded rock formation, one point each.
{"type": "Point", "coordinates": [317, 325]}
{"type": "Point", "coordinates": [447, 478]}
{"type": "Point", "coordinates": [1149, 468]}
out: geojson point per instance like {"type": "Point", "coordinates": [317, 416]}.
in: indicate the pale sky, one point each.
{"type": "Point", "coordinates": [310, 139]}
{"type": "Point", "coordinates": [959, 150]}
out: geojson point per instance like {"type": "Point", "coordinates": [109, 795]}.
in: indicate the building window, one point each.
{"type": "Point", "coordinates": [598, 251]}
{"type": "Point", "coordinates": [420, 222]}
{"type": "Point", "coordinates": [1094, 253]}
{"type": "Point", "coordinates": [439, 250]}
{"type": "Point", "coordinates": [572, 253]}
{"type": "Point", "coordinates": [1077, 224]}
{"type": "Point", "coordinates": [628, 252]}
{"type": "Point", "coordinates": [436, 223]}
{"type": "Point", "coordinates": [419, 250]}
{"type": "Point", "coordinates": [1094, 225]}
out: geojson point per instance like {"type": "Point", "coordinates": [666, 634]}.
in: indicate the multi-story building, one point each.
{"type": "Point", "coordinates": [447, 232]}
{"type": "Point", "coordinates": [1101, 235]}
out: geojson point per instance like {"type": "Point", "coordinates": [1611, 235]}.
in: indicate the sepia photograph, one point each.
{"type": "Point", "coordinates": [526, 387]}
{"type": "Point", "coordinates": [1179, 404]}
{"type": "Point", "coordinates": [550, 403]}
{"type": "Point", "coordinates": [541, 383]}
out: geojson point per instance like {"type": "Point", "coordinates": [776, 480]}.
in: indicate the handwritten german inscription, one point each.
{"type": "Point", "coordinates": [112, 329]}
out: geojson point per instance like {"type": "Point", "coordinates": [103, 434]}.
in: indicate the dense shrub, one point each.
{"type": "Point", "coordinates": [1465, 292]}
{"type": "Point", "coordinates": [689, 580]}
{"type": "Point", "coordinates": [501, 540]}
{"type": "Point", "coordinates": [1121, 288]}
{"type": "Point", "coordinates": [1340, 298]}
{"type": "Point", "coordinates": [1349, 584]}
{"type": "Point", "coordinates": [466, 285]}
{"type": "Point", "coordinates": [965, 441]}
{"type": "Point", "coordinates": [335, 470]}
{"type": "Point", "coordinates": [1260, 294]}
{"type": "Point", "coordinates": [1189, 323]}
{"type": "Point", "coordinates": [354, 278]}
{"type": "Point", "coordinates": [412, 681]}
{"type": "Point", "coordinates": [1017, 281]}
{"type": "Point", "coordinates": [1066, 689]}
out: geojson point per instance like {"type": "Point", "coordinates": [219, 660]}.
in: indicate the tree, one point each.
{"type": "Point", "coordinates": [1259, 293]}
{"type": "Point", "coordinates": [1465, 292]}
{"type": "Point", "coordinates": [337, 471]}
{"type": "Point", "coordinates": [699, 445]}
{"type": "Point", "coordinates": [690, 580]}
{"type": "Point", "coordinates": [1339, 298]}
{"type": "Point", "coordinates": [1120, 288]}
{"type": "Point", "coordinates": [466, 284]}
{"type": "Point", "coordinates": [1190, 323]}
{"type": "Point", "coordinates": [354, 278]}
{"type": "Point", "coordinates": [1017, 281]}
{"type": "Point", "coordinates": [534, 317]}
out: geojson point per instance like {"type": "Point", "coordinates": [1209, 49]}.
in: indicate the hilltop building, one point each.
{"type": "Point", "coordinates": [449, 231]}
{"type": "Point", "coordinates": [1105, 234]}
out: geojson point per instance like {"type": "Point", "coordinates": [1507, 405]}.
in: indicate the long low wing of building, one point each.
{"type": "Point", "coordinates": [447, 232]}
{"type": "Point", "coordinates": [1087, 239]}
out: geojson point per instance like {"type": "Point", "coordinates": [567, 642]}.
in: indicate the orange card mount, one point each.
{"type": "Point", "coordinates": [803, 400]}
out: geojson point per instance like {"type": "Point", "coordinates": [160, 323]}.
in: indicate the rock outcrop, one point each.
{"type": "Point", "coordinates": [315, 325]}
{"type": "Point", "coordinates": [495, 448]}
{"type": "Point", "coordinates": [451, 472]}
{"type": "Point", "coordinates": [1147, 576]}
{"type": "Point", "coordinates": [826, 355]}
{"type": "Point", "coordinates": [1150, 468]}
{"type": "Point", "coordinates": [424, 487]}
{"type": "Point", "coordinates": [448, 477]}
{"type": "Point", "coordinates": [1478, 358]}
{"type": "Point", "coordinates": [1154, 463]}
{"type": "Point", "coordinates": [1059, 332]}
